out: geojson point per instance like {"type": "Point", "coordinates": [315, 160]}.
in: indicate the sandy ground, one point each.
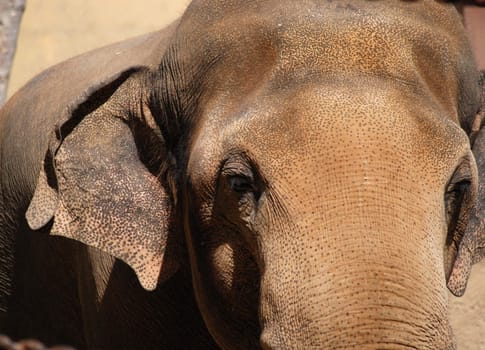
{"type": "Point", "coordinates": [54, 30]}
{"type": "Point", "coordinates": [468, 312]}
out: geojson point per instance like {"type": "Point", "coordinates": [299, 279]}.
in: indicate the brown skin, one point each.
{"type": "Point", "coordinates": [76, 294]}
{"type": "Point", "coordinates": [310, 162]}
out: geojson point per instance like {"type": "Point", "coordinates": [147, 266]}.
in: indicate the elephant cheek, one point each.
{"type": "Point", "coordinates": [222, 266]}
{"type": "Point", "coordinates": [226, 284]}
{"type": "Point", "coordinates": [234, 278]}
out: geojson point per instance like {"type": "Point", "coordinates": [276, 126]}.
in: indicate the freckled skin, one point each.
{"type": "Point", "coordinates": [299, 165]}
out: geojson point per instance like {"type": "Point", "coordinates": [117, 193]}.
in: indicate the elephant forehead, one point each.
{"type": "Point", "coordinates": [410, 41]}
{"type": "Point", "coordinates": [295, 82]}
{"type": "Point", "coordinates": [319, 128]}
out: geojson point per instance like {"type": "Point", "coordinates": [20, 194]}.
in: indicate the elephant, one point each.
{"type": "Point", "coordinates": [257, 175]}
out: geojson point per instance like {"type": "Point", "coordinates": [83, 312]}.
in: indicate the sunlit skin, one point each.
{"type": "Point", "coordinates": [273, 175]}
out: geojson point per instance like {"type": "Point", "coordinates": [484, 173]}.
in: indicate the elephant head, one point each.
{"type": "Point", "coordinates": [316, 159]}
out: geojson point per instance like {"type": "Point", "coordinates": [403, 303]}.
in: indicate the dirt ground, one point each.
{"type": "Point", "coordinates": [58, 29]}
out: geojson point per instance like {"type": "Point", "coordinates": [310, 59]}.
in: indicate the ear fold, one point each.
{"type": "Point", "coordinates": [98, 191]}
{"type": "Point", "coordinates": [472, 247]}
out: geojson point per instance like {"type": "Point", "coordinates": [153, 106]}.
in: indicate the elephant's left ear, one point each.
{"type": "Point", "coordinates": [98, 190]}
{"type": "Point", "coordinates": [472, 247]}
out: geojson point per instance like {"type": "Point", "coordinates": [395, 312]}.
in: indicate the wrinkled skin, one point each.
{"type": "Point", "coordinates": [308, 168]}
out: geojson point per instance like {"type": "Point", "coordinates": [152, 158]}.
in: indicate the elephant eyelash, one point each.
{"type": "Point", "coordinates": [241, 184]}
{"type": "Point", "coordinates": [239, 175]}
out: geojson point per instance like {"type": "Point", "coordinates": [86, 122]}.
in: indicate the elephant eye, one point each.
{"type": "Point", "coordinates": [241, 176]}
{"type": "Point", "coordinates": [240, 183]}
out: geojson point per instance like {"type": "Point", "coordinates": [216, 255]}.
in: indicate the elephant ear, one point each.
{"type": "Point", "coordinates": [95, 188]}
{"type": "Point", "coordinates": [472, 247]}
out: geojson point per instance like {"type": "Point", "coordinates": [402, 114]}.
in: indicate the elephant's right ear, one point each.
{"type": "Point", "coordinates": [472, 247]}
{"type": "Point", "coordinates": [95, 186]}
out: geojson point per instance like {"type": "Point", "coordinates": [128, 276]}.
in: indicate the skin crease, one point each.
{"type": "Point", "coordinates": [289, 161]}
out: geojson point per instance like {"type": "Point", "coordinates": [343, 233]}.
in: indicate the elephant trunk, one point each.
{"type": "Point", "coordinates": [357, 293]}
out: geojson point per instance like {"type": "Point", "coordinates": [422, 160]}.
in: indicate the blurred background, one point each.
{"type": "Point", "coordinates": [54, 30]}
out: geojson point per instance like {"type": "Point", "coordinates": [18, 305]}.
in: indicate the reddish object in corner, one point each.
{"type": "Point", "coordinates": [475, 24]}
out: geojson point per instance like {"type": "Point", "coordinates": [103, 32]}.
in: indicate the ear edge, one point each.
{"type": "Point", "coordinates": [46, 203]}
{"type": "Point", "coordinates": [75, 112]}
{"type": "Point", "coordinates": [461, 269]}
